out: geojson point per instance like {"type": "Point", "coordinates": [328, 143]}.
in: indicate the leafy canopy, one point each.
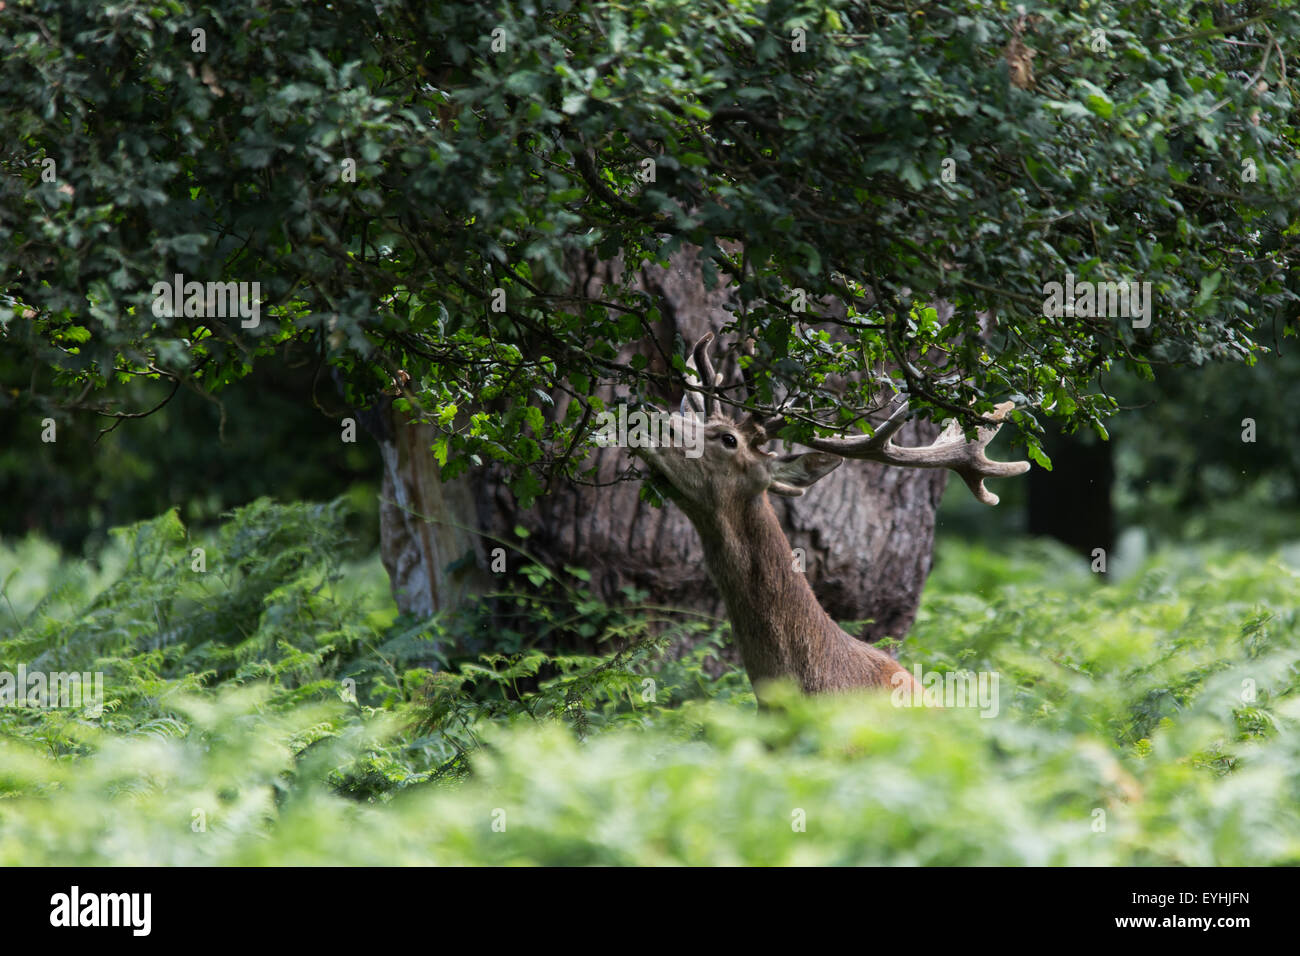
{"type": "Point", "coordinates": [918, 171]}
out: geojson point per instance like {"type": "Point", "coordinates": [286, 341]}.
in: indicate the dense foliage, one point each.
{"type": "Point", "coordinates": [419, 192]}
{"type": "Point", "coordinates": [411, 185]}
{"type": "Point", "coordinates": [1151, 721]}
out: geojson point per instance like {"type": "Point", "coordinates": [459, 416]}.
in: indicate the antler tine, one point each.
{"type": "Point", "coordinates": [708, 378]}
{"type": "Point", "coordinates": [949, 450]}
{"type": "Point", "coordinates": [701, 400]}
{"type": "Point", "coordinates": [886, 429]}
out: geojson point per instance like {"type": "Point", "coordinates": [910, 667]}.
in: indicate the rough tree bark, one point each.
{"type": "Point", "coordinates": [867, 531]}
{"type": "Point", "coordinates": [430, 535]}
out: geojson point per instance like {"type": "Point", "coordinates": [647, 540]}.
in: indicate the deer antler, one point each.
{"type": "Point", "coordinates": [949, 450]}
{"type": "Point", "coordinates": [704, 398]}
{"type": "Point", "coordinates": [702, 401]}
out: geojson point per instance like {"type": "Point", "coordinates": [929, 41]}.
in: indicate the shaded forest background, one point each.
{"type": "Point", "coordinates": [1176, 466]}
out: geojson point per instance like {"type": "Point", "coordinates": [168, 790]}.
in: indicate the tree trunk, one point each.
{"type": "Point", "coordinates": [867, 531]}
{"type": "Point", "coordinates": [430, 542]}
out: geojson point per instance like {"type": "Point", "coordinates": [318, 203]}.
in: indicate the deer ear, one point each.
{"type": "Point", "coordinates": [793, 473]}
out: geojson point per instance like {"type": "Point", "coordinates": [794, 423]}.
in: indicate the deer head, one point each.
{"type": "Point", "coordinates": [730, 464]}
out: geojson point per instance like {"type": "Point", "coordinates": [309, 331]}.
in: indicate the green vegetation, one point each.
{"type": "Point", "coordinates": [1162, 706]}
{"type": "Point", "coordinates": [413, 187]}
{"type": "Point", "coordinates": [243, 231]}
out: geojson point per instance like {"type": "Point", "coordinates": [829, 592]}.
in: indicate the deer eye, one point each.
{"type": "Point", "coordinates": [728, 440]}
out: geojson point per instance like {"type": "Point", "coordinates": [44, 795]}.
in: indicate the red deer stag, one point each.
{"type": "Point", "coordinates": [781, 629]}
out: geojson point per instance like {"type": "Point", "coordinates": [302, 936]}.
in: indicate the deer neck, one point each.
{"type": "Point", "coordinates": [781, 628]}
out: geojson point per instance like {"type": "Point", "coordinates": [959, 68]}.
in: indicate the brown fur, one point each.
{"type": "Point", "coordinates": [781, 629]}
